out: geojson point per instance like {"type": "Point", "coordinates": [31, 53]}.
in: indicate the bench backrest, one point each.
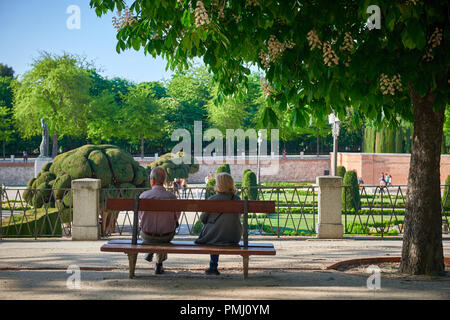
{"type": "Point", "coordinates": [225, 206]}
{"type": "Point", "coordinates": [215, 206]}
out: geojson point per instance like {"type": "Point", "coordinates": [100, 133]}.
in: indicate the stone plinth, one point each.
{"type": "Point", "coordinates": [329, 224]}
{"type": "Point", "coordinates": [39, 163]}
{"type": "Point", "coordinates": [86, 196]}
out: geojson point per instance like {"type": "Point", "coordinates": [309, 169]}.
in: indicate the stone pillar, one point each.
{"type": "Point", "coordinates": [86, 200]}
{"type": "Point", "coordinates": [39, 163]}
{"type": "Point", "coordinates": [329, 224]}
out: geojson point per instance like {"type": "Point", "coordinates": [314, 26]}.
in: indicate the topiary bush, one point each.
{"type": "Point", "coordinates": [446, 196]}
{"type": "Point", "coordinates": [174, 170]}
{"type": "Point", "coordinates": [225, 167]}
{"type": "Point", "coordinates": [340, 171]}
{"type": "Point", "coordinates": [249, 185]}
{"type": "Point", "coordinates": [114, 167]}
{"type": "Point", "coordinates": [350, 196]}
{"type": "Point", "coordinates": [210, 188]}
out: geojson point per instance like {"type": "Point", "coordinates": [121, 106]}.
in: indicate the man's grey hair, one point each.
{"type": "Point", "coordinates": [159, 174]}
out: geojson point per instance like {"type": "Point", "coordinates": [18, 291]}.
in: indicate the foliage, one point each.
{"type": "Point", "coordinates": [446, 196]}
{"type": "Point", "coordinates": [56, 89]}
{"type": "Point", "coordinates": [210, 188]}
{"type": "Point", "coordinates": [225, 167]}
{"type": "Point", "coordinates": [249, 185]}
{"type": "Point", "coordinates": [175, 165]}
{"type": "Point", "coordinates": [113, 166]}
{"type": "Point", "coordinates": [341, 171]}
{"type": "Point", "coordinates": [350, 195]}
{"type": "Point", "coordinates": [6, 71]}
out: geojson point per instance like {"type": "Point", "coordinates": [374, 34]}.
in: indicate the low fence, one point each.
{"type": "Point", "coordinates": [36, 213]}
{"type": "Point", "coordinates": [377, 211]}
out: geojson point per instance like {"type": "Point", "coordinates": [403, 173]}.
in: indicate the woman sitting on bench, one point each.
{"type": "Point", "coordinates": [220, 229]}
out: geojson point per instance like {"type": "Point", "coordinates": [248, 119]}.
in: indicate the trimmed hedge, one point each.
{"type": "Point", "coordinates": [223, 168]}
{"type": "Point", "coordinates": [350, 196]}
{"type": "Point", "coordinates": [249, 185]}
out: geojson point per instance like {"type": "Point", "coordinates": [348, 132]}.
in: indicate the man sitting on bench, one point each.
{"type": "Point", "coordinates": [158, 227]}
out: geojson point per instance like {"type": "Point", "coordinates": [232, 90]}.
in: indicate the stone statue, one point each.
{"type": "Point", "coordinates": [44, 142]}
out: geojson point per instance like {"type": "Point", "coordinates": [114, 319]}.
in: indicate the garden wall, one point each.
{"type": "Point", "coordinates": [16, 173]}
{"type": "Point", "coordinates": [370, 165]}
{"type": "Point", "coordinates": [289, 170]}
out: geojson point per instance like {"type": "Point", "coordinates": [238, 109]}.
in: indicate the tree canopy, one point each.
{"type": "Point", "coordinates": [385, 59]}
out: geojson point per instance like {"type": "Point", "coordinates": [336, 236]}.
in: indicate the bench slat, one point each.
{"type": "Point", "coordinates": [197, 249]}
{"type": "Point", "coordinates": [189, 243]}
{"type": "Point", "coordinates": [226, 206]}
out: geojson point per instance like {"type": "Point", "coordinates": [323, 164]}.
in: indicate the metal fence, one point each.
{"type": "Point", "coordinates": [380, 210]}
{"type": "Point", "coordinates": [35, 213]}
{"type": "Point", "coordinates": [296, 211]}
{"type": "Point", "coordinates": [376, 210]}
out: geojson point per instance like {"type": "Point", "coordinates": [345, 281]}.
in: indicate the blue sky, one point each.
{"type": "Point", "coordinates": [30, 26]}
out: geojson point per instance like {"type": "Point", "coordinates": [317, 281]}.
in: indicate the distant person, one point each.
{"type": "Point", "coordinates": [360, 181]}
{"type": "Point", "coordinates": [220, 228]}
{"type": "Point", "coordinates": [183, 184]}
{"type": "Point", "coordinates": [382, 180]}
{"type": "Point", "coordinates": [158, 227]}
{"type": "Point", "coordinates": [208, 177]}
{"type": "Point", "coordinates": [389, 180]}
{"type": "Point", "coordinates": [176, 186]}
{"type": "Point", "coordinates": [25, 156]}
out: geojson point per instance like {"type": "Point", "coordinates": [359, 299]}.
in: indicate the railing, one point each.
{"type": "Point", "coordinates": [296, 211]}
{"type": "Point", "coordinates": [380, 210]}
{"type": "Point", "coordinates": [35, 213]}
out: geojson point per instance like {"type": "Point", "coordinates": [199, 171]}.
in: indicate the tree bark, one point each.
{"type": "Point", "coordinates": [422, 251]}
{"type": "Point", "coordinates": [142, 146]}
{"type": "Point", "coordinates": [318, 145]}
{"type": "Point", "coordinates": [54, 146]}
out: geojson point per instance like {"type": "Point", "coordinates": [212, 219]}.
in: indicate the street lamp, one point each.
{"type": "Point", "coordinates": [257, 155]}
{"type": "Point", "coordinates": [335, 122]}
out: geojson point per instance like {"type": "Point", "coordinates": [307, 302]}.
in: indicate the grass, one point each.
{"type": "Point", "coordinates": [41, 222]}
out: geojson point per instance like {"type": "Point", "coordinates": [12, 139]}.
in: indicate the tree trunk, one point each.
{"type": "Point", "coordinates": [54, 146]}
{"type": "Point", "coordinates": [142, 146]}
{"type": "Point", "coordinates": [318, 146]}
{"type": "Point", "coordinates": [422, 251]}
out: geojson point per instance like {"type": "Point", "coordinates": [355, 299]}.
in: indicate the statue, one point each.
{"type": "Point", "coordinates": [44, 142]}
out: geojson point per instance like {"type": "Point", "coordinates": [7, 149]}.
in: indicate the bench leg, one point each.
{"type": "Point", "coordinates": [132, 257]}
{"type": "Point", "coordinates": [245, 262]}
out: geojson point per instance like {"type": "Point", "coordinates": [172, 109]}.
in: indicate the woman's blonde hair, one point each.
{"type": "Point", "coordinates": [225, 183]}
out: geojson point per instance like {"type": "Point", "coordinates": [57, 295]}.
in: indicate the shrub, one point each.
{"type": "Point", "coordinates": [249, 185]}
{"type": "Point", "coordinates": [210, 188]}
{"type": "Point", "coordinates": [223, 168]}
{"type": "Point", "coordinates": [340, 171]}
{"type": "Point", "coordinates": [446, 197]}
{"type": "Point", "coordinates": [350, 195]}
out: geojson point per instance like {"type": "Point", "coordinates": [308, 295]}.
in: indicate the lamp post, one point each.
{"type": "Point", "coordinates": [257, 156]}
{"type": "Point", "coordinates": [335, 122]}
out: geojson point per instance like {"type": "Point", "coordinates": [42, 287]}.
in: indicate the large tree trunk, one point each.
{"type": "Point", "coordinates": [422, 251]}
{"type": "Point", "coordinates": [54, 146]}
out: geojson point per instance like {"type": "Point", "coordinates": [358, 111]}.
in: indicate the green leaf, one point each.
{"type": "Point", "coordinates": [413, 35]}
{"type": "Point", "coordinates": [136, 43]}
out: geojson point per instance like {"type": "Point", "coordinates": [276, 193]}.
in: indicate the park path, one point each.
{"type": "Point", "coordinates": [32, 269]}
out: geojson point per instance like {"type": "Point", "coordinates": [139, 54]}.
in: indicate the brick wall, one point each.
{"type": "Point", "coordinates": [370, 165]}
